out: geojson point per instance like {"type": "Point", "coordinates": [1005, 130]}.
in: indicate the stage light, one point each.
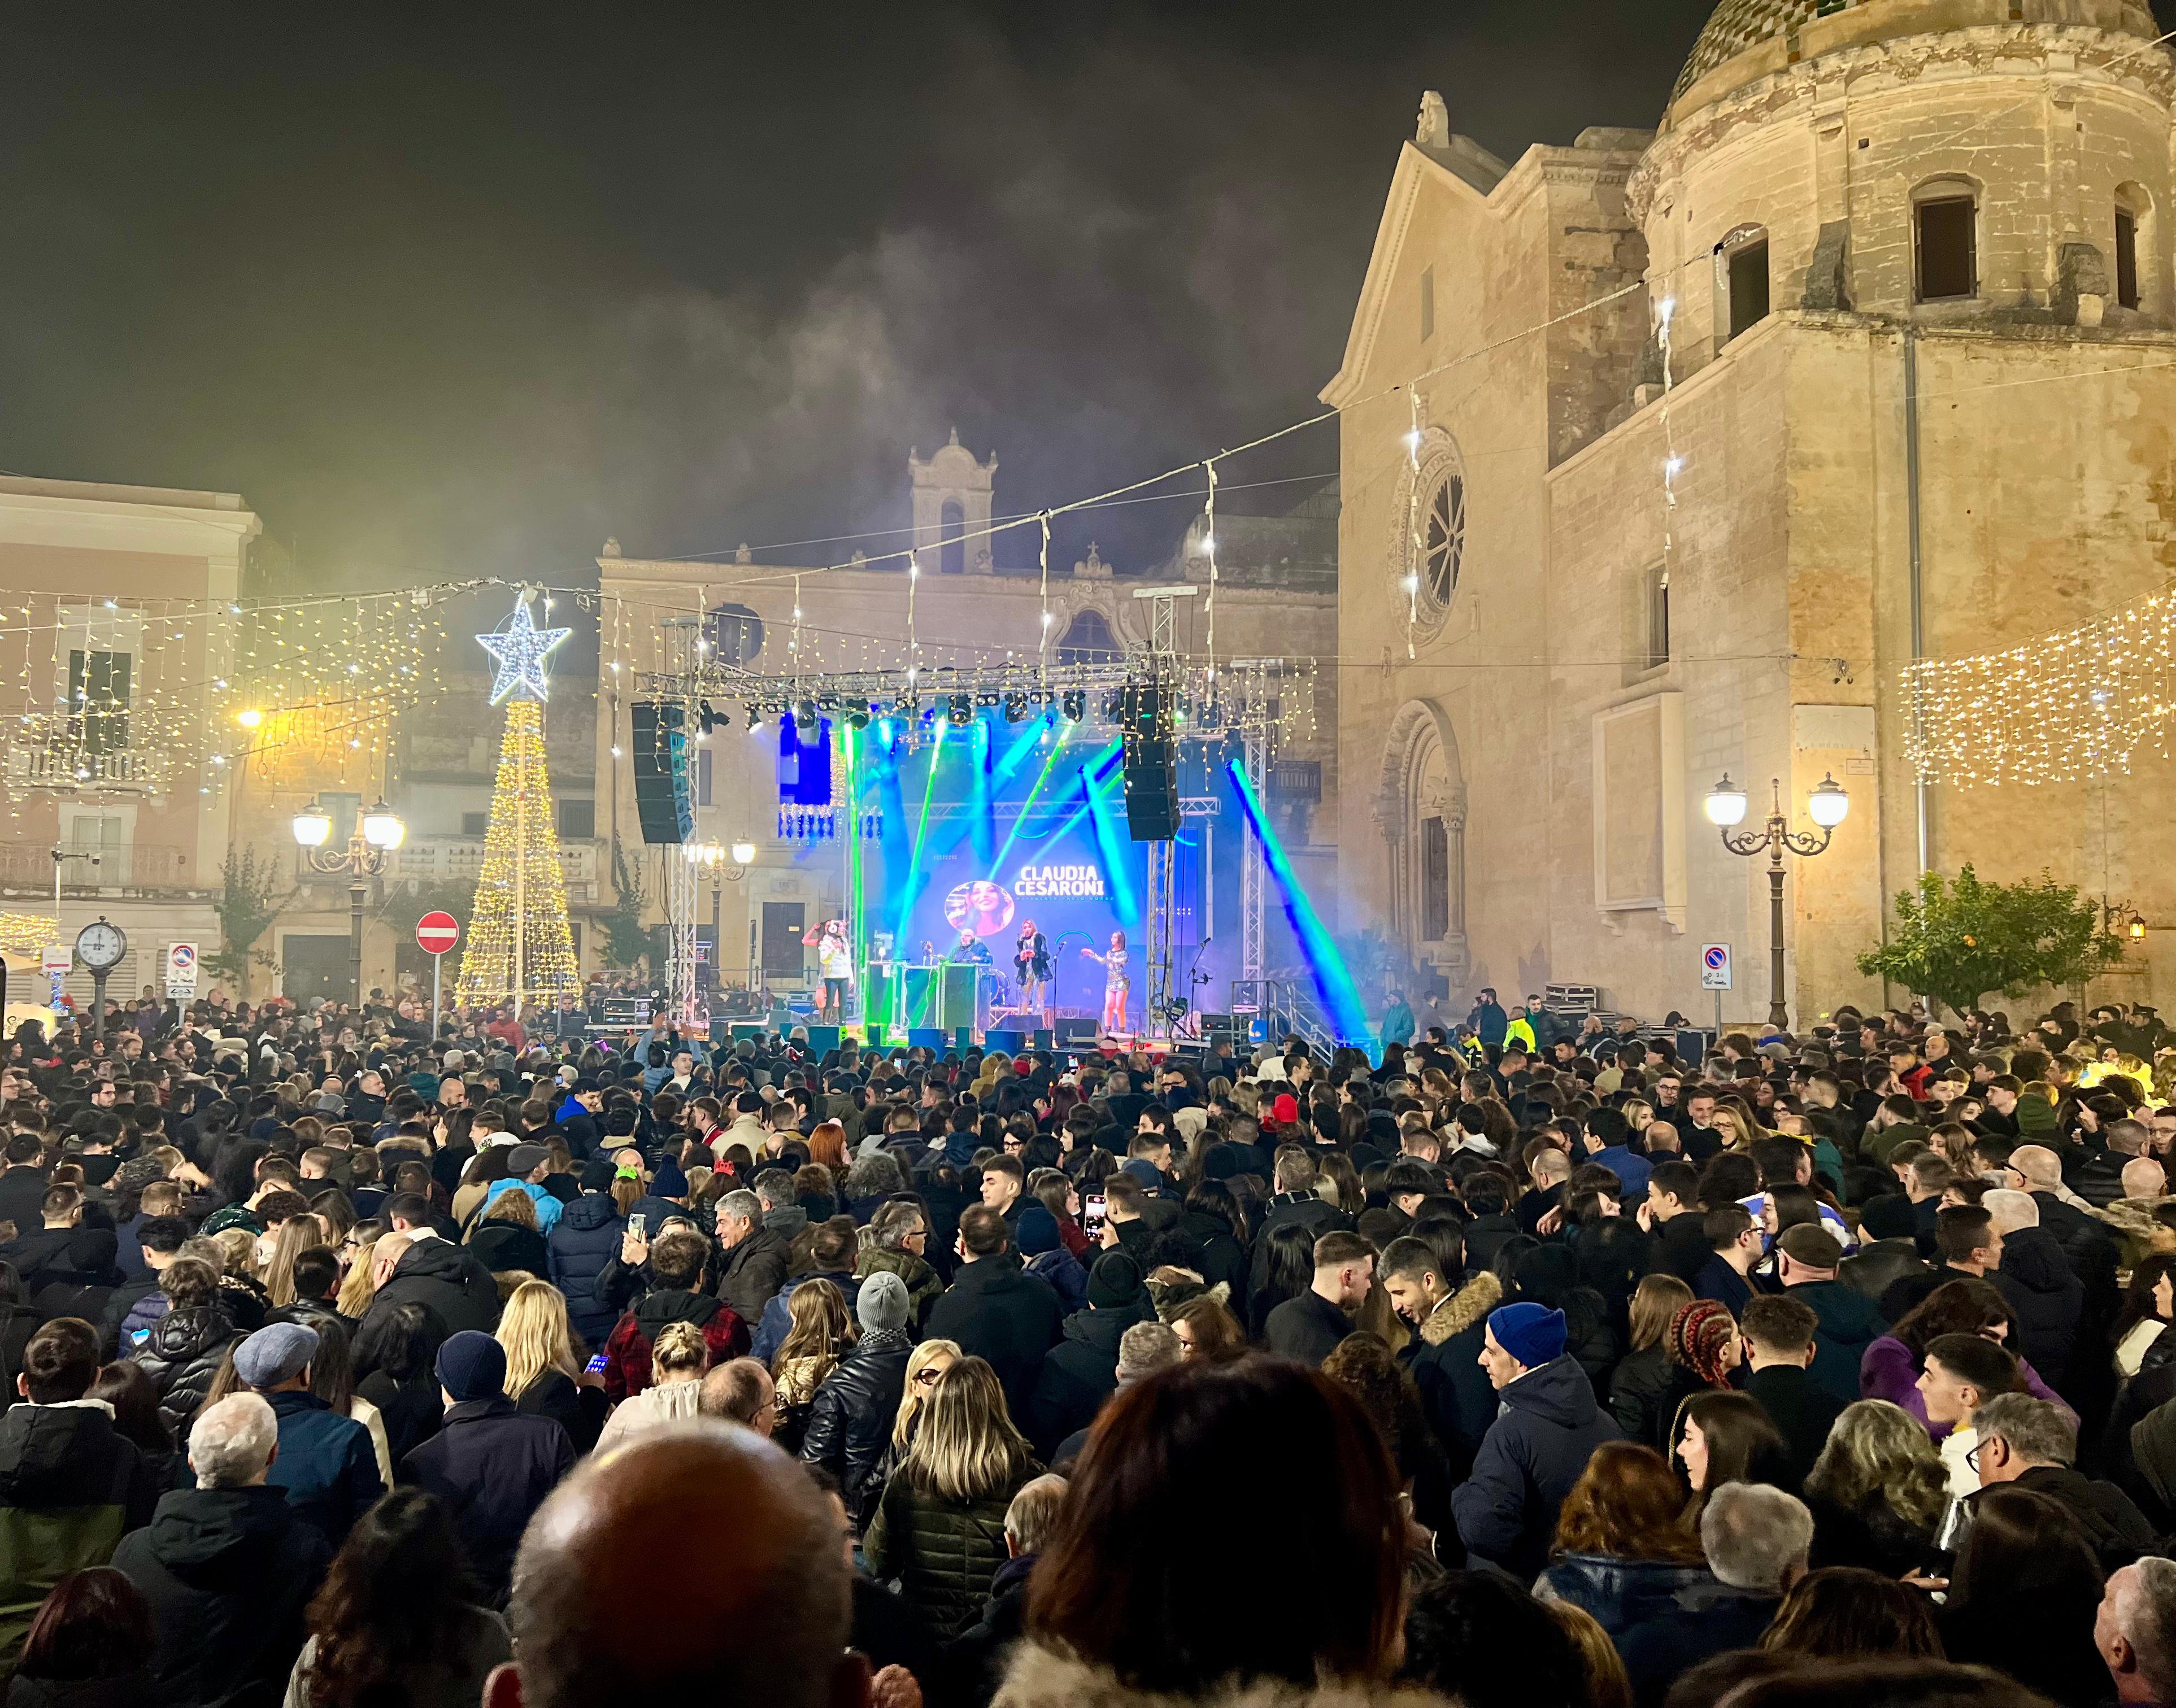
{"type": "Point", "coordinates": [858, 718]}
{"type": "Point", "coordinates": [806, 711]}
{"type": "Point", "coordinates": [1075, 705]}
{"type": "Point", "coordinates": [827, 702]}
{"type": "Point", "coordinates": [754, 717]}
{"type": "Point", "coordinates": [1212, 715]}
{"type": "Point", "coordinates": [708, 716]}
{"type": "Point", "coordinates": [988, 696]}
{"type": "Point", "coordinates": [960, 711]}
{"type": "Point", "coordinates": [1015, 708]}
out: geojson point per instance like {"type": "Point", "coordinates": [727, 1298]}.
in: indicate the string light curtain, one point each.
{"type": "Point", "coordinates": [2066, 707]}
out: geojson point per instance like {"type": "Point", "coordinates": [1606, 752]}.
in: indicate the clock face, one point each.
{"type": "Point", "coordinates": [100, 946]}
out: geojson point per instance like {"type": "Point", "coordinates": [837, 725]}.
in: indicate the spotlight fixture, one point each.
{"type": "Point", "coordinates": [960, 711]}
{"type": "Point", "coordinates": [806, 711]}
{"type": "Point", "coordinates": [1015, 708]}
{"type": "Point", "coordinates": [827, 702]}
{"type": "Point", "coordinates": [754, 716]}
{"type": "Point", "coordinates": [709, 717]}
{"type": "Point", "coordinates": [1074, 705]}
{"type": "Point", "coordinates": [988, 696]}
{"type": "Point", "coordinates": [858, 718]}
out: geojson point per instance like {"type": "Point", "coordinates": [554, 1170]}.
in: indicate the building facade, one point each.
{"type": "Point", "coordinates": [1665, 453]}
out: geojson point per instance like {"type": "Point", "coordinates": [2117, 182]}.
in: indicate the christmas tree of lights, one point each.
{"type": "Point", "coordinates": [519, 948]}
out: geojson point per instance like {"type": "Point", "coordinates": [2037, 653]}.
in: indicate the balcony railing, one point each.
{"type": "Point", "coordinates": [95, 870]}
{"type": "Point", "coordinates": [59, 765]}
{"type": "Point", "coordinates": [460, 860]}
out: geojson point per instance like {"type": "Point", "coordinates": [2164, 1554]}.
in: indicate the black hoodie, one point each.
{"type": "Point", "coordinates": [228, 1573]}
{"type": "Point", "coordinates": [448, 1278]}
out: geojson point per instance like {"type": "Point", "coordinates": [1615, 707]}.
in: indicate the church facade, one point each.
{"type": "Point", "coordinates": [1664, 454]}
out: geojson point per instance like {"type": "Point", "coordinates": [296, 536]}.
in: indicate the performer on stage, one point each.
{"type": "Point", "coordinates": [835, 956]}
{"type": "Point", "coordinates": [972, 948]}
{"type": "Point", "coordinates": [1031, 960]}
{"type": "Point", "coordinates": [1116, 984]}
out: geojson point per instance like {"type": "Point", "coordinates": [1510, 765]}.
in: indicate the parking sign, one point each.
{"type": "Point", "coordinates": [1715, 966]}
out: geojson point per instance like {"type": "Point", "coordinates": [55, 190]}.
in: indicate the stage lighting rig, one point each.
{"type": "Point", "coordinates": [960, 711]}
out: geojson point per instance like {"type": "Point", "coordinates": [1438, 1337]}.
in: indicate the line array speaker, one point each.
{"type": "Point", "coordinates": [663, 804]}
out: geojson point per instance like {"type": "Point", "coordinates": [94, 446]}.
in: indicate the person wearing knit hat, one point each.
{"type": "Point", "coordinates": [490, 1463]}
{"type": "Point", "coordinates": [850, 1418]}
{"type": "Point", "coordinates": [1285, 1111]}
{"type": "Point", "coordinates": [1081, 1371]}
{"type": "Point", "coordinates": [1545, 1432]}
{"type": "Point", "coordinates": [881, 1302]}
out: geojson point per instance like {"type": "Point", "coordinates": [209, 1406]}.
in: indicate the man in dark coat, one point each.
{"type": "Point", "coordinates": [585, 1238]}
{"type": "Point", "coordinates": [2033, 1442]}
{"type": "Point", "coordinates": [753, 1256]}
{"type": "Point", "coordinates": [850, 1423]}
{"type": "Point", "coordinates": [434, 1272]}
{"type": "Point", "coordinates": [1295, 1201]}
{"type": "Point", "coordinates": [1780, 1331]}
{"type": "Point", "coordinates": [1506, 1511]}
{"type": "Point", "coordinates": [1444, 1354]}
{"type": "Point", "coordinates": [832, 1248]}
{"type": "Point", "coordinates": [227, 1566]}
{"type": "Point", "coordinates": [1081, 1371]}
{"type": "Point", "coordinates": [1309, 1326]}
{"type": "Point", "coordinates": [492, 1464]}
{"type": "Point", "coordinates": [2036, 1278]}
{"type": "Point", "coordinates": [1847, 1321]}
{"type": "Point", "coordinates": [996, 1312]}
{"type": "Point", "coordinates": [326, 1464]}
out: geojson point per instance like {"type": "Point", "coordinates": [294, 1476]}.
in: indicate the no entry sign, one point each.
{"type": "Point", "coordinates": [436, 933]}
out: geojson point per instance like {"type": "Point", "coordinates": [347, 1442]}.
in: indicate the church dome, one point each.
{"type": "Point", "coordinates": [1741, 27]}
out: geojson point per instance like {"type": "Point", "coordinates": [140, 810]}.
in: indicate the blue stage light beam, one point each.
{"type": "Point", "coordinates": [1333, 980]}
{"type": "Point", "coordinates": [1098, 767]}
{"type": "Point", "coordinates": [911, 888]}
{"type": "Point", "coordinates": [982, 811]}
{"type": "Point", "coordinates": [1114, 849]}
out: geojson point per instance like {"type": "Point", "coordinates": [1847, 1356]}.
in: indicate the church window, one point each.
{"type": "Point", "coordinates": [1658, 617]}
{"type": "Point", "coordinates": [1947, 232]}
{"type": "Point", "coordinates": [1087, 640]}
{"type": "Point", "coordinates": [2126, 259]}
{"type": "Point", "coordinates": [1443, 539]}
{"type": "Point", "coordinates": [952, 547]}
{"type": "Point", "coordinates": [1435, 880]}
{"type": "Point", "coordinates": [1745, 277]}
{"type": "Point", "coordinates": [1427, 303]}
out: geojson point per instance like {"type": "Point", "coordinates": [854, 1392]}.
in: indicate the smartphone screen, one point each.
{"type": "Point", "coordinates": [638, 1224]}
{"type": "Point", "coordinates": [1092, 1214]}
{"type": "Point", "coordinates": [598, 1365]}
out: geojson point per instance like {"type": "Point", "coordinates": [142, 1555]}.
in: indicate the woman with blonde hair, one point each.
{"type": "Point", "coordinates": [1878, 1491]}
{"type": "Point", "coordinates": [1739, 1128]}
{"type": "Point", "coordinates": [940, 1526]}
{"type": "Point", "coordinates": [679, 1359]}
{"type": "Point", "coordinates": [359, 1285]}
{"type": "Point", "coordinates": [928, 1362]}
{"type": "Point", "coordinates": [823, 1329]}
{"type": "Point", "coordinates": [543, 1375]}
{"type": "Point", "coordinates": [296, 1234]}
{"type": "Point", "coordinates": [507, 1236]}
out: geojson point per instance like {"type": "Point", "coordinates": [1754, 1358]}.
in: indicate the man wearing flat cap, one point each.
{"type": "Point", "coordinates": [326, 1463]}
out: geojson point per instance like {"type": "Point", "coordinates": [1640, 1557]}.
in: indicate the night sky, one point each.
{"type": "Point", "coordinates": [456, 291]}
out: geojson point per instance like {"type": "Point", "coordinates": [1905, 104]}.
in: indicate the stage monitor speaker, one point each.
{"type": "Point", "coordinates": [823, 1040]}
{"type": "Point", "coordinates": [1151, 762]}
{"type": "Point", "coordinates": [875, 1031]}
{"type": "Point", "coordinates": [1012, 1044]}
{"type": "Point", "coordinates": [664, 805]}
{"type": "Point", "coordinates": [1077, 1034]}
{"type": "Point", "coordinates": [746, 1028]}
{"type": "Point", "coordinates": [1042, 1040]}
{"type": "Point", "coordinates": [928, 1038]}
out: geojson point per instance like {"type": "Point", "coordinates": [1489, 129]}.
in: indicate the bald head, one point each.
{"type": "Point", "coordinates": [657, 1512]}
{"type": "Point", "coordinates": [2042, 1168]}
{"type": "Point", "coordinates": [2144, 1177]}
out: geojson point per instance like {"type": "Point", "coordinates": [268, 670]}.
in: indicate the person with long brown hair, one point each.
{"type": "Point", "coordinates": [1878, 1492]}
{"type": "Point", "coordinates": [1650, 1381]}
{"type": "Point", "coordinates": [1727, 1438]}
{"type": "Point", "coordinates": [1285, 1469]}
{"type": "Point", "coordinates": [1849, 1613]}
{"type": "Point", "coordinates": [1621, 1550]}
{"type": "Point", "coordinates": [400, 1619]}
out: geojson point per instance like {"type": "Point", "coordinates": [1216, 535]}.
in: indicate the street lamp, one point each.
{"type": "Point", "coordinates": [741, 856]}
{"type": "Point", "coordinates": [378, 830]}
{"type": "Point", "coordinates": [1827, 806]}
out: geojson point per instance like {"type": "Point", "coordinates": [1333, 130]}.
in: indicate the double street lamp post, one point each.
{"type": "Point", "coordinates": [1827, 807]}
{"type": "Point", "coordinates": [376, 833]}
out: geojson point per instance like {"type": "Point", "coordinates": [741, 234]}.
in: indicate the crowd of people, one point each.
{"type": "Point", "coordinates": [350, 1361]}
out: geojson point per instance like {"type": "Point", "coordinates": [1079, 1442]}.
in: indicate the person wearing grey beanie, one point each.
{"type": "Point", "coordinates": [851, 1420]}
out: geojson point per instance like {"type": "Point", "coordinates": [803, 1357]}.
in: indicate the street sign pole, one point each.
{"type": "Point", "coordinates": [435, 934]}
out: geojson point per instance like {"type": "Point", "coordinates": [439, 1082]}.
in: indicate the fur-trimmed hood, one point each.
{"type": "Point", "coordinates": [1463, 1309]}
{"type": "Point", "coordinates": [1038, 1678]}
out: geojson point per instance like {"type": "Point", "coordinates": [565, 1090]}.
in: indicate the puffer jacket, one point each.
{"type": "Point", "coordinates": [1067, 1278]}
{"type": "Point", "coordinates": [1619, 1593]}
{"type": "Point", "coordinates": [586, 1238]}
{"type": "Point", "coordinates": [181, 1355]}
{"type": "Point", "coordinates": [1080, 1373]}
{"type": "Point", "coordinates": [849, 1421]}
{"type": "Point", "coordinates": [1645, 1395]}
{"type": "Point", "coordinates": [922, 1284]}
{"type": "Point", "coordinates": [1223, 1258]}
{"type": "Point", "coordinates": [944, 1552]}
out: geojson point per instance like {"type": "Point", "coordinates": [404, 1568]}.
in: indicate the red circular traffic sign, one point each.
{"type": "Point", "coordinates": [437, 931]}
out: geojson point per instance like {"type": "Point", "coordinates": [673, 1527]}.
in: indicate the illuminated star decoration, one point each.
{"type": "Point", "coordinates": [521, 650]}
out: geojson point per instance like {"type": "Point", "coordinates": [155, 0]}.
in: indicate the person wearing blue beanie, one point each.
{"type": "Point", "coordinates": [1546, 1429]}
